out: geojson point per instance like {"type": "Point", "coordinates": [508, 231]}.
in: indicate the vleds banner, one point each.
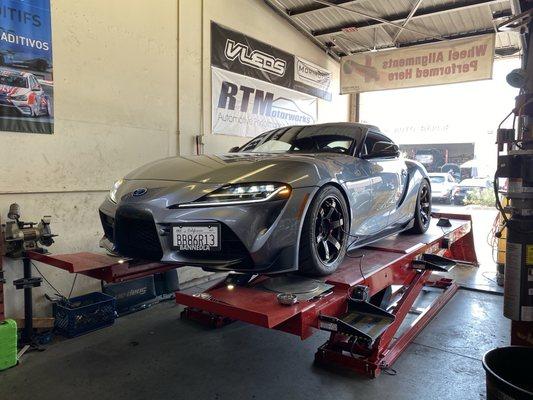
{"type": "Point", "coordinates": [245, 106]}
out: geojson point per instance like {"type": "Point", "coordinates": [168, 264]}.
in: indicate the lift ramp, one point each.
{"type": "Point", "coordinates": [367, 342]}
{"type": "Point", "coordinates": [411, 263]}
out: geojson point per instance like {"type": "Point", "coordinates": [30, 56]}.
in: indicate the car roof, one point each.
{"type": "Point", "coordinates": [438, 174]}
{"type": "Point", "coordinates": [344, 125]}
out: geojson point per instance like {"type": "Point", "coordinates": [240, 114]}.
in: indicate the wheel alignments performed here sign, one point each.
{"type": "Point", "coordinates": [448, 61]}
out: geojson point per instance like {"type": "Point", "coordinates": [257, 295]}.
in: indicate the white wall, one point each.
{"type": "Point", "coordinates": [115, 93]}
{"type": "Point", "coordinates": [116, 107]}
{"type": "Point", "coordinates": [253, 18]}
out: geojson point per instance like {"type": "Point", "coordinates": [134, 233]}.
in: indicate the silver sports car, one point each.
{"type": "Point", "coordinates": [294, 198]}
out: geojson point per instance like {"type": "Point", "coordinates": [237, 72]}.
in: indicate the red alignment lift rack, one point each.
{"type": "Point", "coordinates": [387, 262]}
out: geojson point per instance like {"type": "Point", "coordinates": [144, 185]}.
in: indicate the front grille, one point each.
{"type": "Point", "coordinates": [136, 235]}
{"type": "Point", "coordinates": [231, 248]}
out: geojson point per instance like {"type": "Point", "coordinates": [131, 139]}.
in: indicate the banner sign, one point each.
{"type": "Point", "coordinates": [244, 106]}
{"type": "Point", "coordinates": [308, 74]}
{"type": "Point", "coordinates": [236, 52]}
{"type": "Point", "coordinates": [26, 75]}
{"type": "Point", "coordinates": [448, 61]}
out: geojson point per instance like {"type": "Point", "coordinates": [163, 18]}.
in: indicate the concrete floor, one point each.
{"type": "Point", "coordinates": [154, 355]}
{"type": "Point", "coordinates": [483, 278]}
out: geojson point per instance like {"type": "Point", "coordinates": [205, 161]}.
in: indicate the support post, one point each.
{"type": "Point", "coordinates": [27, 283]}
{"type": "Point", "coordinates": [27, 334]}
{"type": "Point", "coordinates": [516, 165]}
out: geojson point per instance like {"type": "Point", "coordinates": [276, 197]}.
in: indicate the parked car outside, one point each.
{"type": "Point", "coordinates": [471, 187]}
{"type": "Point", "coordinates": [442, 186]}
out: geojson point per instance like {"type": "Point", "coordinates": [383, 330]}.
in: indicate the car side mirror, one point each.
{"type": "Point", "coordinates": [383, 150]}
{"type": "Point", "coordinates": [234, 149]}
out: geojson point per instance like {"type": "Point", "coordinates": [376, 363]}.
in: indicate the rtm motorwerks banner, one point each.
{"type": "Point", "coordinates": [245, 106]}
{"type": "Point", "coordinates": [26, 76]}
{"type": "Point", "coordinates": [448, 61]}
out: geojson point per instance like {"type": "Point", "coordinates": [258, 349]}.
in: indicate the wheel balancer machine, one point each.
{"type": "Point", "coordinates": [374, 305]}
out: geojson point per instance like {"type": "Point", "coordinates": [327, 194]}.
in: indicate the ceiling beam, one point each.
{"type": "Point", "coordinates": [396, 19]}
{"type": "Point", "coordinates": [407, 20]}
{"type": "Point", "coordinates": [377, 19]}
{"type": "Point", "coordinates": [282, 13]}
{"type": "Point", "coordinates": [313, 7]}
{"type": "Point", "coordinates": [459, 35]}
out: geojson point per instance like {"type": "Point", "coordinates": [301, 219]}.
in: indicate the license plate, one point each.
{"type": "Point", "coordinates": [196, 237]}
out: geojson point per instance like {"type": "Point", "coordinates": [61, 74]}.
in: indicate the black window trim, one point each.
{"type": "Point", "coordinates": [359, 150]}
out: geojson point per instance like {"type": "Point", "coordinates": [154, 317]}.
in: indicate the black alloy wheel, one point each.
{"type": "Point", "coordinates": [424, 202]}
{"type": "Point", "coordinates": [325, 231]}
{"type": "Point", "coordinates": [329, 230]}
{"type": "Point", "coordinates": [422, 216]}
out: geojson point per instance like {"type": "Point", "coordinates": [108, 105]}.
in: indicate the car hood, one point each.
{"type": "Point", "coordinates": [297, 170]}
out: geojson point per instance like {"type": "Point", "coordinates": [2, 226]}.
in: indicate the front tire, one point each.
{"type": "Point", "coordinates": [422, 216]}
{"type": "Point", "coordinates": [324, 235]}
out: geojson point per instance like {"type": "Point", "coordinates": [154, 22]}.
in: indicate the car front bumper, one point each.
{"type": "Point", "coordinates": [260, 237]}
{"type": "Point", "coordinates": [21, 107]}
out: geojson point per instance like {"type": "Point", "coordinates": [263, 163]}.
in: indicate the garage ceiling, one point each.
{"type": "Point", "coordinates": [351, 26]}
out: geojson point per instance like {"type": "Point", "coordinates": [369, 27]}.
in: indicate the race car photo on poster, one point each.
{"type": "Point", "coordinates": [26, 68]}
{"type": "Point", "coordinates": [22, 93]}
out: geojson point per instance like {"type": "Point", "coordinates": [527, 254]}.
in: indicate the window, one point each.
{"type": "Point", "coordinates": [13, 80]}
{"type": "Point", "coordinates": [335, 138]}
{"type": "Point", "coordinates": [371, 139]}
{"type": "Point", "coordinates": [344, 145]}
{"type": "Point", "coordinates": [436, 179]}
{"type": "Point", "coordinates": [33, 82]}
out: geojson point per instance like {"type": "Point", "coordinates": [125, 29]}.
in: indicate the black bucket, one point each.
{"type": "Point", "coordinates": [509, 373]}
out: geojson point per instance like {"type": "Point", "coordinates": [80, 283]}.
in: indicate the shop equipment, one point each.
{"type": "Point", "coordinates": [373, 306]}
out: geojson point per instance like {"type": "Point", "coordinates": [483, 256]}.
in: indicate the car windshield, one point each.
{"type": "Point", "coordinates": [16, 81]}
{"type": "Point", "coordinates": [306, 139]}
{"type": "Point", "coordinates": [436, 179]}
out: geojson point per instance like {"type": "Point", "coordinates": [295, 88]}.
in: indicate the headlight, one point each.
{"type": "Point", "coordinates": [21, 97]}
{"type": "Point", "coordinates": [114, 190]}
{"type": "Point", "coordinates": [245, 193]}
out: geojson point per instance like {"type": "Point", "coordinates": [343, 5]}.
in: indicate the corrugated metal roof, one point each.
{"type": "Point", "coordinates": [351, 26]}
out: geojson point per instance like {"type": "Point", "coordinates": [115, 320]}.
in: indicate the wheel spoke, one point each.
{"type": "Point", "coordinates": [337, 224]}
{"type": "Point", "coordinates": [425, 216]}
{"type": "Point", "coordinates": [331, 210]}
{"type": "Point", "coordinates": [326, 249]}
{"type": "Point", "coordinates": [334, 242]}
{"type": "Point", "coordinates": [319, 238]}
